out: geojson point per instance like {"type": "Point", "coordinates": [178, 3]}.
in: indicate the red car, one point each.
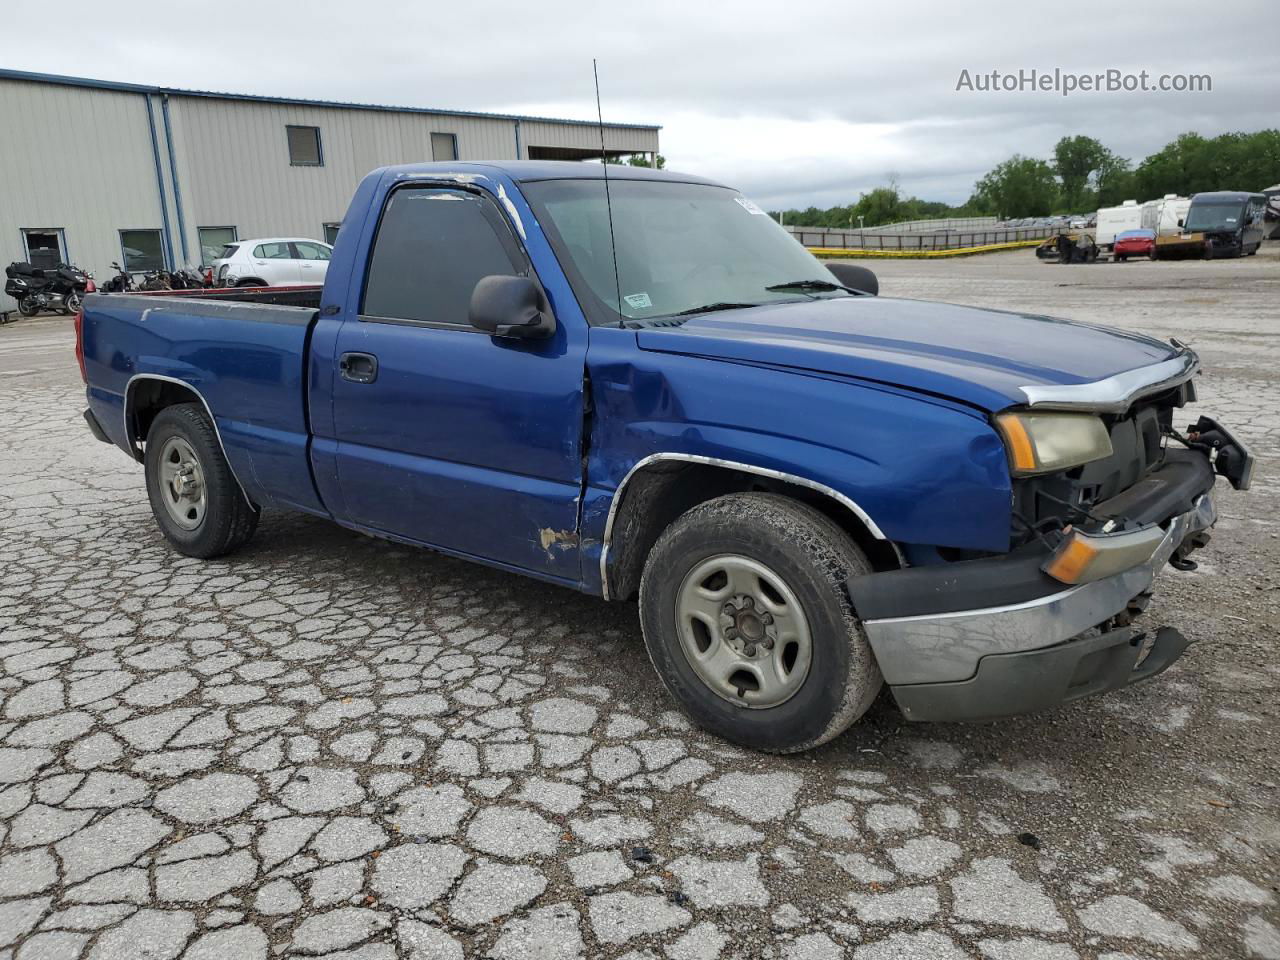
{"type": "Point", "coordinates": [1135, 243]}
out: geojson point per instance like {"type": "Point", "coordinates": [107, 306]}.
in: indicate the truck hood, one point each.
{"type": "Point", "coordinates": [979, 357]}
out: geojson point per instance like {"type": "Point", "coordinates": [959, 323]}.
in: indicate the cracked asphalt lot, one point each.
{"type": "Point", "coordinates": [328, 745]}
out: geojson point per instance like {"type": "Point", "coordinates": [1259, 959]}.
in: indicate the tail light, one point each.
{"type": "Point", "coordinates": [208, 277]}
{"type": "Point", "coordinates": [79, 324]}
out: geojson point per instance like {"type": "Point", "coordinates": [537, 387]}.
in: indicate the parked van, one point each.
{"type": "Point", "coordinates": [1113, 220]}
{"type": "Point", "coordinates": [1165, 216]}
{"type": "Point", "coordinates": [1229, 220]}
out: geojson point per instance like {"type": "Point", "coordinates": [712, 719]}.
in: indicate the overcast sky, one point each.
{"type": "Point", "coordinates": [796, 103]}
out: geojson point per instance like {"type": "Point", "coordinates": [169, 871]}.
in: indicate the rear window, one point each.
{"type": "Point", "coordinates": [228, 251]}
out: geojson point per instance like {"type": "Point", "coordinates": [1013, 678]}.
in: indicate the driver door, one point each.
{"type": "Point", "coordinates": [443, 434]}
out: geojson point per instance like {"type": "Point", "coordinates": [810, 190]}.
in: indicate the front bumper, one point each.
{"type": "Point", "coordinates": [991, 638]}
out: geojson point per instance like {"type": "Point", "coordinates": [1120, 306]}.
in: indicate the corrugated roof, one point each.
{"type": "Point", "coordinates": [291, 101]}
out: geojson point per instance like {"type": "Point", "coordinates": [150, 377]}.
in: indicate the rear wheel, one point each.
{"type": "Point", "coordinates": [194, 496]}
{"type": "Point", "coordinates": [746, 619]}
{"type": "Point", "coordinates": [28, 306]}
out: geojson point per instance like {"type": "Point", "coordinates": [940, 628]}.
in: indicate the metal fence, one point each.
{"type": "Point", "coordinates": [879, 239]}
{"type": "Point", "coordinates": [934, 226]}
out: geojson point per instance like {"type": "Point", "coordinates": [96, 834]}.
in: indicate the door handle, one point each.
{"type": "Point", "coordinates": [358, 367]}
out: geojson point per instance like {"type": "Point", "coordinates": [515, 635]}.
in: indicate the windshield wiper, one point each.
{"type": "Point", "coordinates": [710, 307]}
{"type": "Point", "coordinates": [812, 285]}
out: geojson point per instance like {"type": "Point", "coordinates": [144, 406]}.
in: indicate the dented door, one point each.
{"type": "Point", "coordinates": [442, 434]}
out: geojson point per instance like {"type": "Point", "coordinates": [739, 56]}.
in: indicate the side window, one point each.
{"type": "Point", "coordinates": [272, 251]}
{"type": "Point", "coordinates": [311, 251]}
{"type": "Point", "coordinates": [433, 246]}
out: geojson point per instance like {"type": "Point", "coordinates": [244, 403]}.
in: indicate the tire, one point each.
{"type": "Point", "coordinates": [811, 557]}
{"type": "Point", "coordinates": [28, 306]}
{"type": "Point", "coordinates": [182, 440]}
{"type": "Point", "coordinates": [251, 282]}
{"type": "Point", "coordinates": [74, 301]}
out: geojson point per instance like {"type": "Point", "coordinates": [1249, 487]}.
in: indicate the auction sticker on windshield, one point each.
{"type": "Point", "coordinates": [638, 301]}
{"type": "Point", "coordinates": [749, 206]}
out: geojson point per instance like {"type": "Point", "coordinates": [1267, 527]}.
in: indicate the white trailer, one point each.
{"type": "Point", "coordinates": [1114, 220]}
{"type": "Point", "coordinates": [1165, 215]}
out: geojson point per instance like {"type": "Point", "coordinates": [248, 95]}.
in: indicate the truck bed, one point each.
{"type": "Point", "coordinates": [242, 351]}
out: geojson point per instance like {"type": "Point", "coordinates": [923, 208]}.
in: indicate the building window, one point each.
{"type": "Point", "coordinates": [444, 146]}
{"type": "Point", "coordinates": [304, 146]}
{"type": "Point", "coordinates": [331, 233]}
{"type": "Point", "coordinates": [44, 246]}
{"type": "Point", "coordinates": [212, 240]}
{"type": "Point", "coordinates": [142, 250]}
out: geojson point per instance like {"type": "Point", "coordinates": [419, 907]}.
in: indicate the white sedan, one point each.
{"type": "Point", "coordinates": [272, 262]}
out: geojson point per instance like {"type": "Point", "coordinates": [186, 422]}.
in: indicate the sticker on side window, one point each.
{"type": "Point", "coordinates": [638, 301]}
{"type": "Point", "coordinates": [748, 206]}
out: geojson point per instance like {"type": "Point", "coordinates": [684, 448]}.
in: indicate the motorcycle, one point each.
{"type": "Point", "coordinates": [156, 280]}
{"type": "Point", "coordinates": [122, 282]}
{"type": "Point", "coordinates": [188, 278]}
{"type": "Point", "coordinates": [59, 288]}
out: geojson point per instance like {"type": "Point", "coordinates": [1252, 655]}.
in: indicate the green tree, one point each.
{"type": "Point", "coordinates": [1112, 180]}
{"type": "Point", "coordinates": [1075, 160]}
{"type": "Point", "coordinates": [1194, 164]}
{"type": "Point", "coordinates": [637, 160]}
{"type": "Point", "coordinates": [1019, 187]}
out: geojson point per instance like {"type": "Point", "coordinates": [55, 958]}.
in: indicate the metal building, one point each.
{"type": "Point", "coordinates": [93, 172]}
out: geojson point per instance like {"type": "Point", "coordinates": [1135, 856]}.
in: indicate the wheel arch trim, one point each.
{"type": "Point", "coordinates": [616, 502]}
{"type": "Point", "coordinates": [132, 442]}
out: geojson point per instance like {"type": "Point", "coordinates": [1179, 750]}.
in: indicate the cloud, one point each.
{"type": "Point", "coordinates": [796, 103]}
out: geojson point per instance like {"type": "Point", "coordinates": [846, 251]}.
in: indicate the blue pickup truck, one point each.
{"type": "Point", "coordinates": [641, 387]}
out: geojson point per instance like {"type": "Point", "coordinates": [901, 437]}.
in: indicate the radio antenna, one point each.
{"type": "Point", "coordinates": [608, 200]}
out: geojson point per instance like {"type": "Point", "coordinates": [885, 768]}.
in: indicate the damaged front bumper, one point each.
{"type": "Point", "coordinates": [990, 638]}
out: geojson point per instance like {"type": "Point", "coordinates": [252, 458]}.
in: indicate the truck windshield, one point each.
{"type": "Point", "coordinates": [1215, 216]}
{"type": "Point", "coordinates": [682, 248]}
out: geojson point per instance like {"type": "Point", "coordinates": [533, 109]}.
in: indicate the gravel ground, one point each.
{"type": "Point", "coordinates": [328, 745]}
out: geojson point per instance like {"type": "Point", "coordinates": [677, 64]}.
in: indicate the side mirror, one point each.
{"type": "Point", "coordinates": [855, 277]}
{"type": "Point", "coordinates": [505, 306]}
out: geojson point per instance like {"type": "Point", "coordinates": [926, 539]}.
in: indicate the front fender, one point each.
{"type": "Point", "coordinates": [917, 470]}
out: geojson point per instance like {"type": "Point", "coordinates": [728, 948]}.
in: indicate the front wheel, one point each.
{"type": "Point", "coordinates": [746, 619]}
{"type": "Point", "coordinates": [73, 301]}
{"type": "Point", "coordinates": [194, 496]}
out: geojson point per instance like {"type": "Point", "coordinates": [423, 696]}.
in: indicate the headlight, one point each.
{"type": "Point", "coordinates": [1045, 442]}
